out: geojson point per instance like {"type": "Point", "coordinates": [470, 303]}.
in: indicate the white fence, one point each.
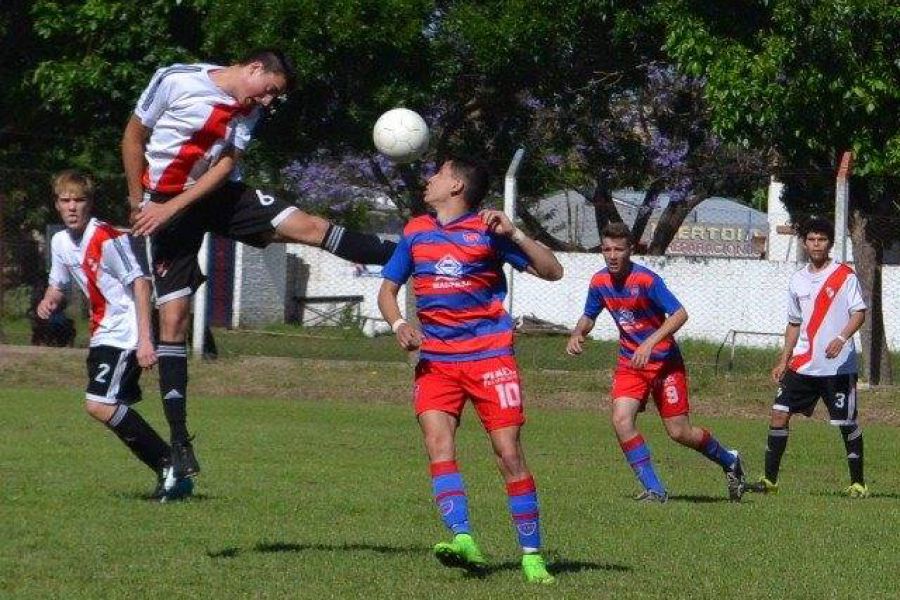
{"type": "Point", "coordinates": [720, 294]}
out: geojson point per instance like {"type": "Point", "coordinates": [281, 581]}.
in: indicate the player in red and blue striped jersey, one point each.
{"type": "Point", "coordinates": [647, 315]}
{"type": "Point", "coordinates": [454, 257]}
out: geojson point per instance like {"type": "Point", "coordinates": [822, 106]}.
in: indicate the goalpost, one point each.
{"type": "Point", "coordinates": [510, 191]}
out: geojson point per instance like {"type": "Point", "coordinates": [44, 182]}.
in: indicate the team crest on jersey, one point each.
{"type": "Point", "coordinates": [449, 267]}
{"type": "Point", "coordinates": [635, 290]}
{"type": "Point", "coordinates": [471, 238]}
{"type": "Point", "coordinates": [829, 291]}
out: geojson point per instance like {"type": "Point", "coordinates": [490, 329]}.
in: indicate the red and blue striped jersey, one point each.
{"type": "Point", "coordinates": [459, 285]}
{"type": "Point", "coordinates": [639, 305]}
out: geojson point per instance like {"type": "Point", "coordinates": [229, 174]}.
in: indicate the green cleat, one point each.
{"type": "Point", "coordinates": [462, 552]}
{"type": "Point", "coordinates": [535, 569]}
{"type": "Point", "coordinates": [857, 490]}
{"type": "Point", "coordinates": [763, 486]}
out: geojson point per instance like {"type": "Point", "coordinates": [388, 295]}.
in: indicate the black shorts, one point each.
{"type": "Point", "coordinates": [799, 394]}
{"type": "Point", "coordinates": [235, 211]}
{"type": "Point", "coordinates": [113, 375]}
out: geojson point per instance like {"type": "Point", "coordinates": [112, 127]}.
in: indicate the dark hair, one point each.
{"type": "Point", "coordinates": [617, 231]}
{"type": "Point", "coordinates": [274, 61]}
{"type": "Point", "coordinates": [816, 224]}
{"type": "Point", "coordinates": [475, 176]}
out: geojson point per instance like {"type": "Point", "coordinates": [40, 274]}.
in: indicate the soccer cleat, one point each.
{"type": "Point", "coordinates": [462, 552]}
{"type": "Point", "coordinates": [162, 475]}
{"type": "Point", "coordinates": [535, 569]}
{"type": "Point", "coordinates": [735, 479]}
{"type": "Point", "coordinates": [857, 490]}
{"type": "Point", "coordinates": [183, 459]}
{"type": "Point", "coordinates": [763, 486]}
{"type": "Point", "coordinates": [177, 488]}
{"type": "Point", "coordinates": [650, 496]}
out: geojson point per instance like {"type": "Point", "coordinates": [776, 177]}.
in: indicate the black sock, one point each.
{"type": "Point", "coordinates": [140, 437]}
{"type": "Point", "coordinates": [364, 248]}
{"type": "Point", "coordinates": [173, 378]}
{"type": "Point", "coordinates": [853, 442]}
{"type": "Point", "coordinates": [775, 445]}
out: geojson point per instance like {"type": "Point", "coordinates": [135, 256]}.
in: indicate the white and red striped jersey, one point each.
{"type": "Point", "coordinates": [821, 303]}
{"type": "Point", "coordinates": [104, 266]}
{"type": "Point", "coordinates": [192, 122]}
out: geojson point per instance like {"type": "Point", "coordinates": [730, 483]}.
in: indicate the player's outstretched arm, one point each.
{"type": "Point", "coordinates": [575, 345]}
{"type": "Point", "coordinates": [408, 336]}
{"type": "Point", "coordinates": [50, 302]}
{"type": "Point", "coordinates": [543, 262]}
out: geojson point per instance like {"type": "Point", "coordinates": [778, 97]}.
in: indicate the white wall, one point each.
{"type": "Point", "coordinates": [719, 293]}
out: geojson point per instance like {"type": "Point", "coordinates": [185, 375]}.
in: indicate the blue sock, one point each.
{"type": "Point", "coordinates": [526, 515]}
{"type": "Point", "coordinates": [638, 455]}
{"type": "Point", "coordinates": [450, 495]}
{"type": "Point", "coordinates": [716, 452]}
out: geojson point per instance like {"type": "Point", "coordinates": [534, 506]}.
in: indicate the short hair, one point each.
{"type": "Point", "coordinates": [617, 231]}
{"type": "Point", "coordinates": [273, 61]}
{"type": "Point", "coordinates": [816, 224]}
{"type": "Point", "coordinates": [73, 179]}
{"type": "Point", "coordinates": [475, 176]}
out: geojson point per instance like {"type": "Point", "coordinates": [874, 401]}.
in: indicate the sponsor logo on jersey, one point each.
{"type": "Point", "coordinates": [501, 375]}
{"type": "Point", "coordinates": [449, 267]}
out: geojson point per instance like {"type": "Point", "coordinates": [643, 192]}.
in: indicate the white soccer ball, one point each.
{"type": "Point", "coordinates": [401, 135]}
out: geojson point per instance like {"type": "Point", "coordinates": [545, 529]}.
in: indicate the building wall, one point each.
{"type": "Point", "coordinates": [262, 286]}
{"type": "Point", "coordinates": [720, 294]}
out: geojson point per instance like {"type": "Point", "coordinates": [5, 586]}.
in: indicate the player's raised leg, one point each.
{"type": "Point", "coordinates": [682, 431]}
{"type": "Point", "coordinates": [448, 487]}
{"type": "Point", "coordinates": [636, 450]}
{"type": "Point", "coordinates": [356, 247]}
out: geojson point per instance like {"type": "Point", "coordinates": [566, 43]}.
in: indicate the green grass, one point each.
{"type": "Point", "coordinates": [331, 499]}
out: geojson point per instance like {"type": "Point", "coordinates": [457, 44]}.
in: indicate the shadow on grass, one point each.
{"type": "Point", "coordinates": [696, 499]}
{"type": "Point", "coordinates": [145, 497]}
{"type": "Point", "coordinates": [275, 547]}
{"type": "Point", "coordinates": [834, 494]}
{"type": "Point", "coordinates": [559, 566]}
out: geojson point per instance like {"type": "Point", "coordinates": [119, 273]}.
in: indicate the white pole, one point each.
{"type": "Point", "coordinates": [200, 300]}
{"type": "Point", "coordinates": [238, 285]}
{"type": "Point", "coordinates": [509, 207]}
{"type": "Point", "coordinates": [841, 204]}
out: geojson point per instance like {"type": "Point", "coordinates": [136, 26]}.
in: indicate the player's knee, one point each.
{"type": "Point", "coordinates": [510, 461]}
{"type": "Point", "coordinates": [99, 411]}
{"type": "Point", "coordinates": [622, 422]}
{"type": "Point", "coordinates": [779, 418]}
{"type": "Point", "coordinates": [682, 435]}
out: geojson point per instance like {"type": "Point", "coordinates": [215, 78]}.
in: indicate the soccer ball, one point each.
{"type": "Point", "coordinates": [401, 135]}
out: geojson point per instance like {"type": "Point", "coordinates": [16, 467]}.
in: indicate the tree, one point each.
{"type": "Point", "coordinates": [808, 81]}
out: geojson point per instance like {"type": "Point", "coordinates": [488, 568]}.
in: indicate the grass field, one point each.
{"type": "Point", "coordinates": [315, 485]}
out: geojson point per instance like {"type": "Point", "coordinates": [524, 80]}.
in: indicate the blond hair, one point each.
{"type": "Point", "coordinates": [73, 180]}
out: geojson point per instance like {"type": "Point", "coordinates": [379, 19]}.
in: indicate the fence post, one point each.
{"type": "Point", "coordinates": [841, 203]}
{"type": "Point", "coordinates": [509, 207]}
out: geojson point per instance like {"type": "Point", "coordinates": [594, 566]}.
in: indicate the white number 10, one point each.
{"type": "Point", "coordinates": [509, 394]}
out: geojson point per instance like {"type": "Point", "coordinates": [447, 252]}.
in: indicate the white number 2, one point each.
{"type": "Point", "coordinates": [509, 394]}
{"type": "Point", "coordinates": [104, 371]}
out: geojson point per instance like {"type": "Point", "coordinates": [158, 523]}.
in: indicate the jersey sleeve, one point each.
{"type": "Point", "coordinates": [594, 304]}
{"type": "Point", "coordinates": [661, 296]}
{"type": "Point", "coordinates": [400, 267]}
{"type": "Point", "coordinates": [794, 311]}
{"type": "Point", "coordinates": [119, 260]}
{"type": "Point", "coordinates": [59, 275]}
{"type": "Point", "coordinates": [855, 301]}
{"type": "Point", "coordinates": [510, 252]}
{"type": "Point", "coordinates": [155, 98]}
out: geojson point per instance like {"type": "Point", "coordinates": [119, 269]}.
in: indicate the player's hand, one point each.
{"type": "Point", "coordinates": [575, 345]}
{"type": "Point", "coordinates": [834, 348]}
{"type": "Point", "coordinates": [146, 355]}
{"type": "Point", "coordinates": [778, 371]}
{"type": "Point", "coordinates": [409, 337]}
{"type": "Point", "coordinates": [641, 356]}
{"type": "Point", "coordinates": [46, 307]}
{"type": "Point", "coordinates": [153, 216]}
{"type": "Point", "coordinates": [497, 222]}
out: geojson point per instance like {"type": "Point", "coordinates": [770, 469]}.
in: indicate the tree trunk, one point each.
{"type": "Point", "coordinates": [867, 255]}
{"type": "Point", "coordinates": [644, 212]}
{"type": "Point", "coordinates": [669, 222]}
{"type": "Point", "coordinates": [540, 233]}
{"type": "Point", "coordinates": [605, 210]}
